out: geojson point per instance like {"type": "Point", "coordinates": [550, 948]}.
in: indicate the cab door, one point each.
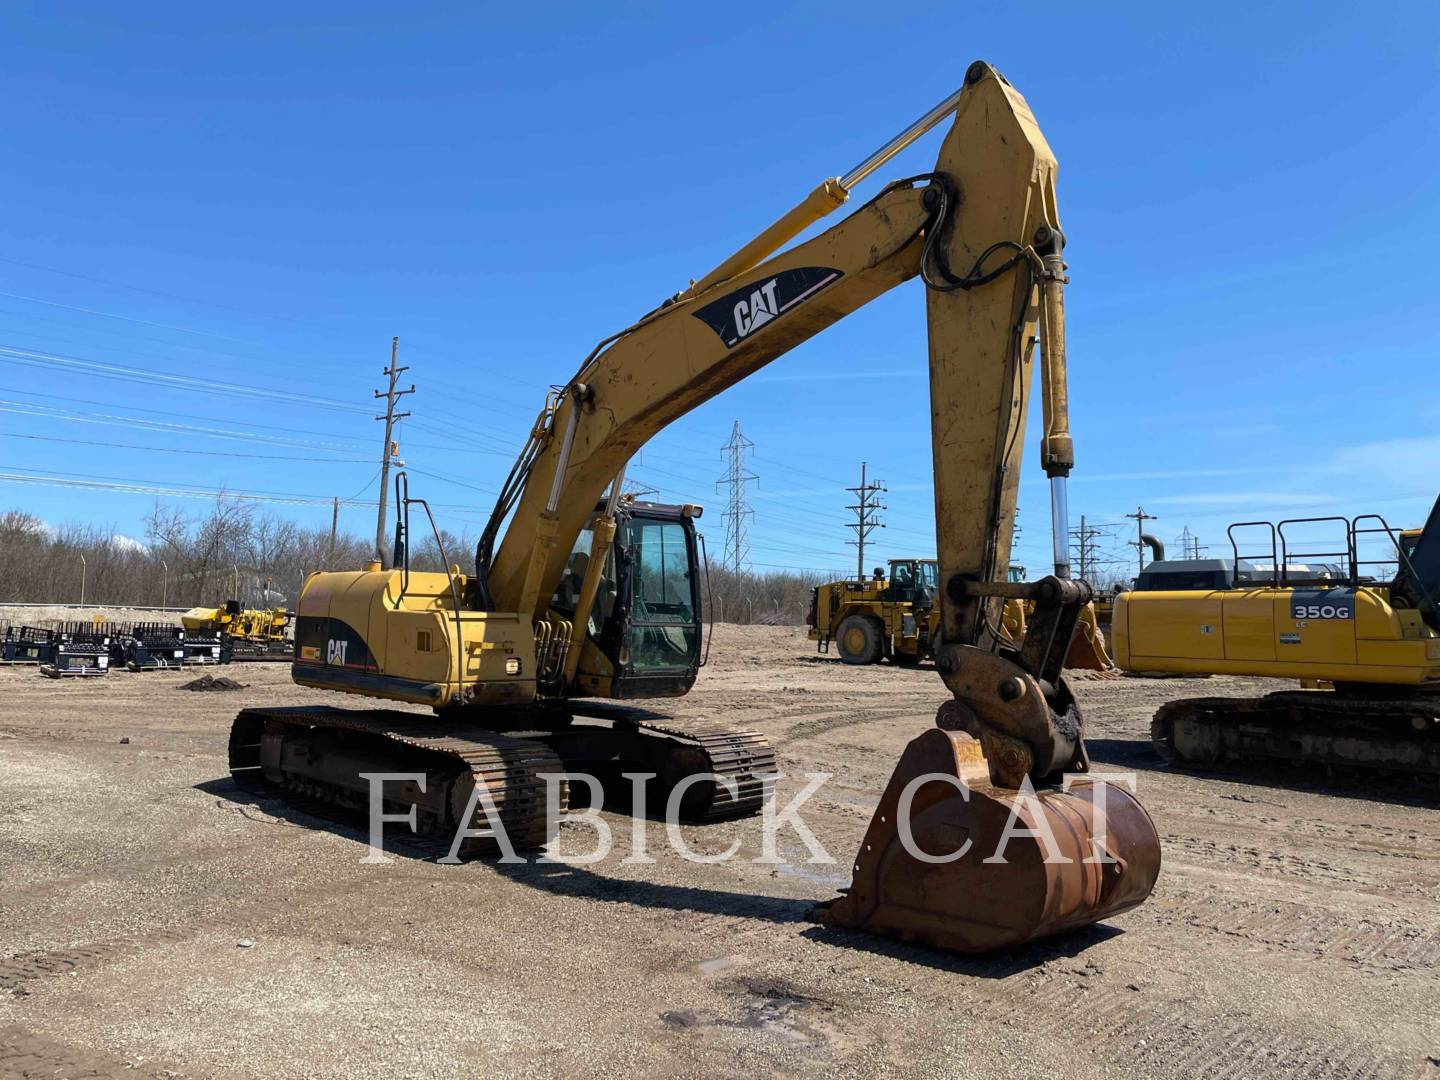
{"type": "Point", "coordinates": [659, 655]}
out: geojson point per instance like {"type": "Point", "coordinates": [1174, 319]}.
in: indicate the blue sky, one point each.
{"type": "Point", "coordinates": [260, 197]}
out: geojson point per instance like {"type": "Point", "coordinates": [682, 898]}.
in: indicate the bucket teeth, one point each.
{"type": "Point", "coordinates": [972, 867]}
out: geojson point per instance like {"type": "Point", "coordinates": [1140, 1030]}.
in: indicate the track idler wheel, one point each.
{"type": "Point", "coordinates": [968, 904]}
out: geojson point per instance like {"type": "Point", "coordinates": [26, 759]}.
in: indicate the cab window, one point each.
{"type": "Point", "coordinates": [567, 593]}
{"type": "Point", "coordinates": [663, 631]}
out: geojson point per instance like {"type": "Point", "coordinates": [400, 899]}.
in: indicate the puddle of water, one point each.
{"type": "Point", "coordinates": [715, 964]}
{"type": "Point", "coordinates": [830, 880]}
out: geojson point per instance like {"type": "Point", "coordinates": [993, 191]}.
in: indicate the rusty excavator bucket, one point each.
{"type": "Point", "coordinates": [991, 832]}
{"type": "Point", "coordinates": [1063, 860]}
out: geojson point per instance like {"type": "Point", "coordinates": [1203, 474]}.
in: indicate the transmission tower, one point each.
{"type": "Point", "coordinates": [1087, 548]}
{"type": "Point", "coordinates": [1190, 546]}
{"type": "Point", "coordinates": [738, 513]}
{"type": "Point", "coordinates": [865, 522]}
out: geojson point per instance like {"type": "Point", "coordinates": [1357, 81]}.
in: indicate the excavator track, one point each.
{"type": "Point", "coordinates": [312, 757]}
{"type": "Point", "coordinates": [644, 741]}
{"type": "Point", "coordinates": [1313, 727]}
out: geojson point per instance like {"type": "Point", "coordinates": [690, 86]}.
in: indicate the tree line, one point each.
{"type": "Point", "coordinates": [233, 550]}
{"type": "Point", "coordinates": [230, 551]}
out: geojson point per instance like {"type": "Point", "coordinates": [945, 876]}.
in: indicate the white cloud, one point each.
{"type": "Point", "coordinates": [1390, 462]}
{"type": "Point", "coordinates": [1245, 498]}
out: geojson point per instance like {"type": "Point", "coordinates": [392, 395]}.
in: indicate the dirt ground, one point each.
{"type": "Point", "coordinates": [154, 922]}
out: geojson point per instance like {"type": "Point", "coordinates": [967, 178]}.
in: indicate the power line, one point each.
{"type": "Point", "coordinates": [168, 295]}
{"type": "Point", "coordinates": [181, 450]}
{"type": "Point", "coordinates": [181, 415]}
{"type": "Point", "coordinates": [126, 487]}
{"type": "Point", "coordinates": [100, 369]}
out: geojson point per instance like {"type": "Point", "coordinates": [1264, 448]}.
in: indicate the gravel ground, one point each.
{"type": "Point", "coordinates": [153, 922]}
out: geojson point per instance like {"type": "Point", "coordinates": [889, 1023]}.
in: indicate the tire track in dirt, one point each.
{"type": "Point", "coordinates": [25, 1055]}
{"type": "Point", "coordinates": [22, 968]}
{"type": "Point", "coordinates": [1250, 857]}
{"type": "Point", "coordinates": [1310, 931]}
{"type": "Point", "coordinates": [1120, 1026]}
{"type": "Point", "coordinates": [828, 722]}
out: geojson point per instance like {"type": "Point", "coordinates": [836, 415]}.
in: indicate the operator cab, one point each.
{"type": "Point", "coordinates": [913, 581]}
{"type": "Point", "coordinates": [645, 622]}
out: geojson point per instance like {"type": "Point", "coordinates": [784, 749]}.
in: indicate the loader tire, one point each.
{"type": "Point", "coordinates": [859, 640]}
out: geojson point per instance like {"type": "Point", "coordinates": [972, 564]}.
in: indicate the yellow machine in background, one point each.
{"type": "Point", "coordinates": [1370, 648]}
{"type": "Point", "coordinates": [896, 618]}
{"type": "Point", "coordinates": [1087, 644]}
{"type": "Point", "coordinates": [883, 618]}
{"type": "Point", "coordinates": [249, 633]}
{"type": "Point", "coordinates": [577, 593]}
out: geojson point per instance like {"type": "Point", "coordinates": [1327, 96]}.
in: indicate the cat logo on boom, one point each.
{"type": "Point", "coordinates": [739, 314]}
{"type": "Point", "coordinates": [758, 310]}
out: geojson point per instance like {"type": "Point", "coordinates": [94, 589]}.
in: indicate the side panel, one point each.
{"type": "Point", "coordinates": [1164, 632]}
{"type": "Point", "coordinates": [411, 648]}
{"type": "Point", "coordinates": [1317, 625]}
{"type": "Point", "coordinates": [1186, 625]}
{"type": "Point", "coordinates": [1249, 619]}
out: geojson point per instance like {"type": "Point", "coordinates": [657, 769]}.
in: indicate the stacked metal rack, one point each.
{"type": "Point", "coordinates": [91, 647]}
{"type": "Point", "coordinates": [82, 651]}
{"type": "Point", "coordinates": [26, 645]}
{"type": "Point", "coordinates": [202, 648]}
{"type": "Point", "coordinates": [138, 646]}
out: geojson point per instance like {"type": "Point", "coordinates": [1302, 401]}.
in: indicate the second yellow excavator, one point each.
{"type": "Point", "coordinates": [990, 832]}
{"type": "Point", "coordinates": [1366, 646]}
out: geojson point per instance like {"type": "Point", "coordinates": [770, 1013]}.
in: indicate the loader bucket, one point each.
{"type": "Point", "coordinates": [977, 902]}
{"type": "Point", "coordinates": [1087, 646]}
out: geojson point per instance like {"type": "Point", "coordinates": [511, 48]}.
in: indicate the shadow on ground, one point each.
{"type": "Point", "coordinates": [584, 883]}
{"type": "Point", "coordinates": [1140, 756]}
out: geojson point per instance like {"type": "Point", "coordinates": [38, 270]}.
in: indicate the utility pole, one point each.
{"type": "Point", "coordinates": [738, 513]}
{"type": "Point", "coordinates": [1190, 546]}
{"type": "Point", "coordinates": [334, 529]}
{"type": "Point", "coordinates": [1086, 547]}
{"type": "Point", "coordinates": [1140, 518]}
{"type": "Point", "coordinates": [865, 522]}
{"type": "Point", "coordinates": [390, 450]}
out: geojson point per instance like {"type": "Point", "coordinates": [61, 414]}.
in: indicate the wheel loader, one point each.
{"type": "Point", "coordinates": [890, 617]}
{"type": "Point", "coordinates": [580, 600]}
{"type": "Point", "coordinates": [1365, 649]}
{"type": "Point", "coordinates": [896, 618]}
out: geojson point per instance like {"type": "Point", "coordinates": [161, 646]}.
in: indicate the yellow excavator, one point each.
{"type": "Point", "coordinates": [1365, 648]}
{"type": "Point", "coordinates": [589, 597]}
